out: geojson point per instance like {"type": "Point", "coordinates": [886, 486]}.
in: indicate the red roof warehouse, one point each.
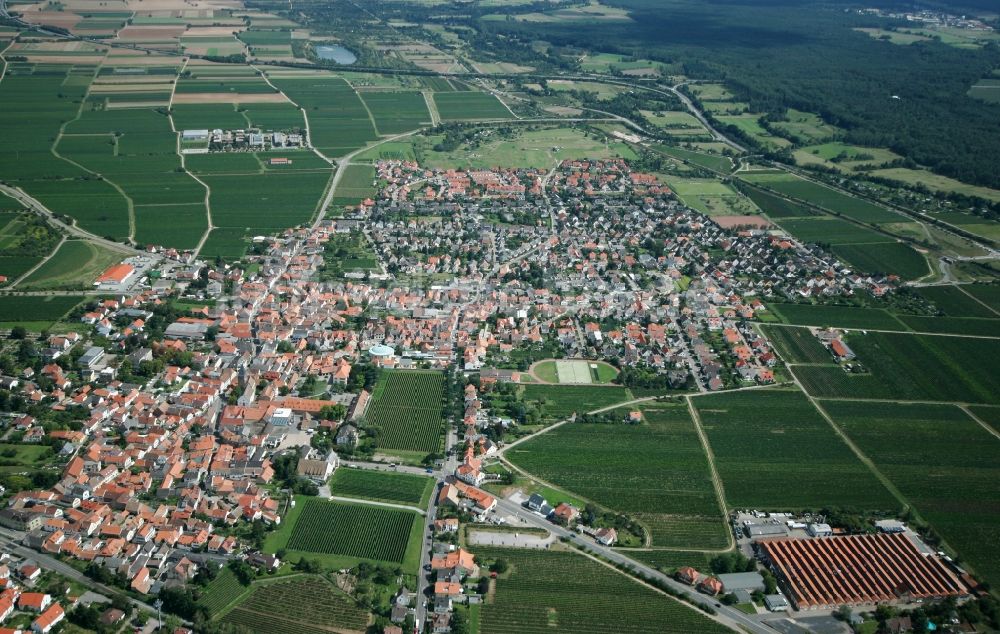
{"type": "Point", "coordinates": [857, 569]}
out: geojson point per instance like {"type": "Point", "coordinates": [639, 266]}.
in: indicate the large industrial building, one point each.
{"type": "Point", "coordinates": [856, 570]}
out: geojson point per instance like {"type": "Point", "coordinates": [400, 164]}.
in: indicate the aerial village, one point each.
{"type": "Point", "coordinates": [168, 422]}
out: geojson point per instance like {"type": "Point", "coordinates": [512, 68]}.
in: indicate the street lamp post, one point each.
{"type": "Point", "coordinates": [159, 620]}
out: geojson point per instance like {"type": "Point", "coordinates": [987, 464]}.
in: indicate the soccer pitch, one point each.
{"type": "Point", "coordinates": [573, 372]}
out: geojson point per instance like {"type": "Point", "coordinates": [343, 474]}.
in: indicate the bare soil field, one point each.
{"type": "Point", "coordinates": [228, 97]}
{"type": "Point", "coordinates": [728, 222]}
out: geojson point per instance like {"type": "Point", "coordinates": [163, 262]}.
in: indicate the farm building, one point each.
{"type": "Point", "coordinates": [117, 274]}
{"type": "Point", "coordinates": [194, 135]}
{"type": "Point", "coordinates": [856, 569]}
{"type": "Point", "coordinates": [734, 581]}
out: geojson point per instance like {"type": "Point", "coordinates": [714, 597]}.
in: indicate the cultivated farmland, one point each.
{"type": "Point", "coordinates": [916, 367]}
{"type": "Point", "coordinates": [561, 401]}
{"type": "Point", "coordinates": [396, 112]}
{"type": "Point", "coordinates": [74, 265]}
{"type": "Point", "coordinates": [338, 119]}
{"type": "Point", "coordinates": [406, 407]}
{"type": "Point", "coordinates": [465, 106]}
{"type": "Point", "coordinates": [773, 450]}
{"type": "Point", "coordinates": [550, 592]}
{"type": "Point", "coordinates": [943, 462]}
{"type": "Point", "coordinates": [310, 605]}
{"type": "Point", "coordinates": [797, 345]}
{"type": "Point", "coordinates": [836, 316]}
{"type": "Point", "coordinates": [222, 591]}
{"type": "Point", "coordinates": [657, 468]}
{"type": "Point", "coordinates": [381, 486]}
{"type": "Point", "coordinates": [954, 301]}
{"type": "Point", "coordinates": [355, 531]}
{"type": "Point", "coordinates": [36, 307]}
{"type": "Point", "coordinates": [822, 196]}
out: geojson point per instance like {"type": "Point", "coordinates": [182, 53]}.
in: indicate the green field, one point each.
{"type": "Point", "coordinates": [305, 604]}
{"type": "Point", "coordinates": [822, 196]}
{"type": "Point", "coordinates": [540, 148]}
{"type": "Point", "coordinates": [338, 119]}
{"type": "Point", "coordinates": [470, 106]}
{"type": "Point", "coordinates": [711, 197]}
{"type": "Point", "coordinates": [551, 592]}
{"type": "Point", "coordinates": [397, 112]}
{"type": "Point", "coordinates": [669, 560]}
{"type": "Point", "coordinates": [988, 294]}
{"type": "Point", "coordinates": [656, 471]}
{"type": "Point", "coordinates": [406, 408]}
{"type": "Point", "coordinates": [549, 372]}
{"type": "Point", "coordinates": [357, 183]}
{"type": "Point", "coordinates": [943, 462]}
{"type": "Point", "coordinates": [76, 264]}
{"type": "Point", "coordinates": [826, 230]}
{"type": "Point", "coordinates": [806, 126]}
{"type": "Point", "coordinates": [399, 488]}
{"type": "Point", "coordinates": [35, 106]}
{"type": "Point", "coordinates": [796, 345]}
{"type": "Point", "coordinates": [221, 592]}
{"type": "Point", "coordinates": [776, 206]}
{"type": "Point", "coordinates": [749, 125]}
{"type": "Point", "coordinates": [913, 367]}
{"type": "Point", "coordinates": [709, 161]}
{"type": "Point", "coordinates": [15, 308]}
{"type": "Point", "coordinates": [954, 301]}
{"type": "Point", "coordinates": [892, 258]}
{"type": "Point", "coordinates": [836, 316]}
{"type": "Point", "coordinates": [341, 534]}
{"type": "Point", "coordinates": [560, 401]}
{"type": "Point", "coordinates": [773, 450]}
{"type": "Point", "coordinates": [207, 116]}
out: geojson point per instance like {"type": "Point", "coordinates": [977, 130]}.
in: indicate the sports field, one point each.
{"type": "Point", "coordinates": [573, 371]}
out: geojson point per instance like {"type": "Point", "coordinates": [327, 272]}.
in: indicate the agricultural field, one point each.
{"type": "Point", "coordinates": [35, 104]}
{"type": "Point", "coordinates": [776, 206]}
{"type": "Point", "coordinates": [936, 182]}
{"type": "Point", "coordinates": [541, 148]}
{"type": "Point", "coordinates": [25, 239]}
{"type": "Point", "coordinates": [954, 301]}
{"type": "Point", "coordinates": [773, 450]}
{"type": "Point", "coordinates": [987, 90]}
{"type": "Point", "coordinates": [989, 294]}
{"type": "Point", "coordinates": [843, 156]}
{"type": "Point", "coordinates": [75, 264]}
{"type": "Point", "coordinates": [341, 534]}
{"type": "Point", "coordinates": [827, 230]}
{"type": "Point", "coordinates": [338, 119]}
{"type": "Point", "coordinates": [943, 462]}
{"type": "Point", "coordinates": [749, 125]}
{"type": "Point", "coordinates": [913, 367]}
{"type": "Point", "coordinates": [558, 591]}
{"type": "Point", "coordinates": [836, 316]}
{"type": "Point", "coordinates": [708, 161]}
{"type": "Point", "coordinates": [796, 344]}
{"type": "Point", "coordinates": [221, 592]}
{"type": "Point", "coordinates": [888, 258]}
{"type": "Point", "coordinates": [822, 196]}
{"type": "Point", "coordinates": [406, 408]}
{"type": "Point", "coordinates": [302, 605]}
{"type": "Point", "coordinates": [470, 106]}
{"type": "Point", "coordinates": [357, 183]}
{"type": "Point", "coordinates": [988, 415]}
{"type": "Point", "coordinates": [400, 488]}
{"type": "Point", "coordinates": [260, 203]}
{"type": "Point", "coordinates": [397, 112]}
{"type": "Point", "coordinates": [656, 471]}
{"type": "Point", "coordinates": [207, 116]}
{"type": "Point", "coordinates": [560, 401]}
{"type": "Point", "coordinates": [669, 561]}
{"type": "Point", "coordinates": [35, 311]}
{"type": "Point", "coordinates": [805, 126]}
{"type": "Point", "coordinates": [711, 197]}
